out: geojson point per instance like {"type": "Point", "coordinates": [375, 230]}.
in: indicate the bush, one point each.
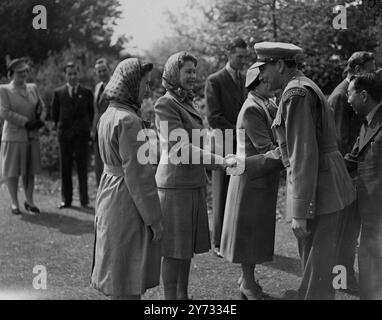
{"type": "Point", "coordinates": [50, 153]}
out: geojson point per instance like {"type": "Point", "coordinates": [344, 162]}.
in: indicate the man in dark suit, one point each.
{"type": "Point", "coordinates": [348, 124]}
{"type": "Point", "coordinates": [72, 112]}
{"type": "Point", "coordinates": [365, 97]}
{"type": "Point", "coordinates": [102, 71]}
{"type": "Point", "coordinates": [225, 94]}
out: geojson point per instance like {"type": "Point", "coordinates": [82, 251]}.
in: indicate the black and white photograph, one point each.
{"type": "Point", "coordinates": [215, 151]}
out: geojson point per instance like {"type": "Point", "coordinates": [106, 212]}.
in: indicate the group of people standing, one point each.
{"type": "Point", "coordinates": [74, 112]}
{"type": "Point", "coordinates": [150, 221]}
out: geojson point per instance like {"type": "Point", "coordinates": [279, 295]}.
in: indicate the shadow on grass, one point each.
{"type": "Point", "coordinates": [64, 224]}
{"type": "Point", "coordinates": [286, 264]}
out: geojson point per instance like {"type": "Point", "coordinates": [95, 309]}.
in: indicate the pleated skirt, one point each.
{"type": "Point", "coordinates": [186, 229]}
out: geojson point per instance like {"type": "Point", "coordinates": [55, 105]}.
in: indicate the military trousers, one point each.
{"type": "Point", "coordinates": [319, 255]}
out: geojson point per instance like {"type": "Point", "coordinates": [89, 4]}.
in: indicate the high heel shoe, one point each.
{"type": "Point", "coordinates": [15, 210]}
{"type": "Point", "coordinates": [252, 293]}
{"type": "Point", "coordinates": [33, 209]}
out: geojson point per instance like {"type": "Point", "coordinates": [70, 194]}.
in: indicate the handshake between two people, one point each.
{"type": "Point", "coordinates": [233, 165]}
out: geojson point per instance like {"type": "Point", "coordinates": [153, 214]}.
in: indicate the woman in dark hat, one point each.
{"type": "Point", "coordinates": [181, 184]}
{"type": "Point", "coordinates": [248, 234]}
{"type": "Point", "coordinates": [22, 109]}
{"type": "Point", "coordinates": [128, 217]}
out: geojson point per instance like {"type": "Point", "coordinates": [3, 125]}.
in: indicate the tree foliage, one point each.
{"type": "Point", "coordinates": [307, 23]}
{"type": "Point", "coordinates": [86, 22]}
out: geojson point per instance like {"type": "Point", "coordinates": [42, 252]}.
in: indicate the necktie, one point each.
{"type": "Point", "coordinates": [100, 92]}
{"type": "Point", "coordinates": [238, 78]}
{"type": "Point", "coordinates": [71, 92]}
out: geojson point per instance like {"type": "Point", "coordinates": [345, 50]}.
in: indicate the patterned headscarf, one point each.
{"type": "Point", "coordinates": [123, 86]}
{"type": "Point", "coordinates": [171, 78]}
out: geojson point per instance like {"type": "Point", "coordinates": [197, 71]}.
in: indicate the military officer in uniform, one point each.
{"type": "Point", "coordinates": [319, 188]}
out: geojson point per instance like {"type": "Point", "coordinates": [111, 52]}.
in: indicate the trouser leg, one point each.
{"type": "Point", "coordinates": [319, 254]}
{"type": "Point", "coordinates": [66, 163]}
{"type": "Point", "coordinates": [82, 153]}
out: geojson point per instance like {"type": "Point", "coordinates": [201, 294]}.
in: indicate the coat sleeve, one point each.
{"type": "Point", "coordinates": [214, 105]}
{"type": "Point", "coordinates": [339, 105]}
{"type": "Point", "coordinates": [139, 178]}
{"type": "Point", "coordinates": [303, 153]}
{"type": "Point", "coordinates": [255, 125]}
{"type": "Point", "coordinates": [351, 159]}
{"type": "Point", "coordinates": [6, 111]}
{"type": "Point", "coordinates": [55, 111]}
{"type": "Point", "coordinates": [166, 112]}
{"type": "Point", "coordinates": [260, 165]}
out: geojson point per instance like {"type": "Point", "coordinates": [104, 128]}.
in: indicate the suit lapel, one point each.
{"type": "Point", "coordinates": [231, 86]}
{"type": "Point", "coordinates": [373, 129]}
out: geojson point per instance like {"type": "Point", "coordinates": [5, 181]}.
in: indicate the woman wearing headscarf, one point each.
{"type": "Point", "coordinates": [128, 218]}
{"type": "Point", "coordinates": [22, 109]}
{"type": "Point", "coordinates": [181, 176]}
{"type": "Point", "coordinates": [250, 213]}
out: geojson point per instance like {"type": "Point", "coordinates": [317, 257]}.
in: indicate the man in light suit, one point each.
{"type": "Point", "coordinates": [225, 94]}
{"type": "Point", "coordinates": [348, 124]}
{"type": "Point", "coordinates": [102, 71]}
{"type": "Point", "coordinates": [72, 113]}
{"type": "Point", "coordinates": [365, 97]}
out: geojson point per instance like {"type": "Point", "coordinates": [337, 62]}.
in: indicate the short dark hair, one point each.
{"type": "Point", "coordinates": [71, 65]}
{"type": "Point", "coordinates": [102, 61]}
{"type": "Point", "coordinates": [146, 67]}
{"type": "Point", "coordinates": [370, 82]}
{"type": "Point", "coordinates": [359, 58]}
{"type": "Point", "coordinates": [187, 56]}
{"type": "Point", "coordinates": [236, 43]}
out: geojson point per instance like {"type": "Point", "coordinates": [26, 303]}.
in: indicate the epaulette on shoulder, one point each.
{"type": "Point", "coordinates": [293, 92]}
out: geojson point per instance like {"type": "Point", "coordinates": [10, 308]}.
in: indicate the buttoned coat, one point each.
{"type": "Point", "coordinates": [127, 262]}
{"type": "Point", "coordinates": [347, 122]}
{"type": "Point", "coordinates": [366, 158]}
{"type": "Point", "coordinates": [16, 110]}
{"type": "Point", "coordinates": [250, 212]}
{"type": "Point", "coordinates": [171, 118]}
{"type": "Point", "coordinates": [317, 180]}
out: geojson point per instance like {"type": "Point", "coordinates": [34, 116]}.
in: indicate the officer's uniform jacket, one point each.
{"type": "Point", "coordinates": [317, 180]}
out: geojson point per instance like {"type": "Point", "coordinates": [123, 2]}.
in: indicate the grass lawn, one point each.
{"type": "Point", "coordinates": [62, 242]}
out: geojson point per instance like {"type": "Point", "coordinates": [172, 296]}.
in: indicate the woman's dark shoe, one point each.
{"type": "Point", "coordinates": [253, 293]}
{"type": "Point", "coordinates": [16, 211]}
{"type": "Point", "coordinates": [33, 209]}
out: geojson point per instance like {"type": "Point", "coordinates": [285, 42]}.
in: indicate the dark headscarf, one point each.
{"type": "Point", "coordinates": [171, 78]}
{"type": "Point", "coordinates": [123, 86]}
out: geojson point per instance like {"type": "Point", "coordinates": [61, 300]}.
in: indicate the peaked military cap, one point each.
{"type": "Point", "coordinates": [252, 74]}
{"type": "Point", "coordinates": [272, 51]}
